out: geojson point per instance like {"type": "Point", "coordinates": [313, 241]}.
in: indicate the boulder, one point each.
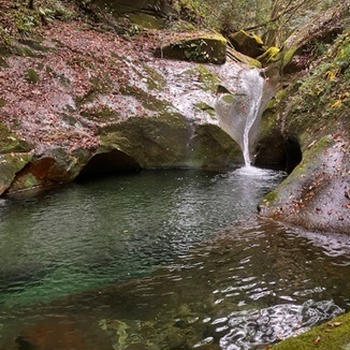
{"type": "Point", "coordinates": [202, 48]}
{"type": "Point", "coordinates": [248, 44]}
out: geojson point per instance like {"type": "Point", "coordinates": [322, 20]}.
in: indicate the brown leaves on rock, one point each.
{"type": "Point", "coordinates": [317, 340]}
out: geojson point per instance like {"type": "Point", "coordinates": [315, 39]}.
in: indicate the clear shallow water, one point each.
{"type": "Point", "coordinates": [65, 254]}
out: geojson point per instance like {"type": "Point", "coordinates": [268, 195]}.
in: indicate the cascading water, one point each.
{"type": "Point", "coordinates": [256, 90]}
{"type": "Point", "coordinates": [239, 113]}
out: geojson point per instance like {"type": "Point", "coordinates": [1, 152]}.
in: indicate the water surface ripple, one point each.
{"type": "Point", "coordinates": [162, 260]}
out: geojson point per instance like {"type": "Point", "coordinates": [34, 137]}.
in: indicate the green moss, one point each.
{"type": "Point", "coordinates": [281, 95]}
{"type": "Point", "coordinates": [10, 164]}
{"type": "Point", "coordinates": [270, 55]}
{"type": "Point", "coordinates": [2, 102]}
{"type": "Point", "coordinates": [29, 181]}
{"type": "Point", "coordinates": [228, 98]}
{"type": "Point", "coordinates": [287, 56]}
{"type": "Point", "coordinates": [146, 21]}
{"type": "Point", "coordinates": [203, 106]}
{"type": "Point", "coordinates": [101, 84]}
{"type": "Point", "coordinates": [250, 61]}
{"type": "Point", "coordinates": [155, 81]}
{"type": "Point", "coordinates": [333, 335]}
{"type": "Point", "coordinates": [208, 48]}
{"type": "Point", "coordinates": [9, 142]}
{"type": "Point", "coordinates": [101, 113]}
{"type": "Point", "coordinates": [148, 100]}
{"type": "Point", "coordinates": [32, 76]}
{"type": "Point", "coordinates": [209, 79]}
{"type": "Point", "coordinates": [271, 197]}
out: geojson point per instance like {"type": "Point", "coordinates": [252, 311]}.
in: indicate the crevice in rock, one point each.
{"type": "Point", "coordinates": [109, 163]}
{"type": "Point", "coordinates": [293, 153]}
{"type": "Point", "coordinates": [278, 152]}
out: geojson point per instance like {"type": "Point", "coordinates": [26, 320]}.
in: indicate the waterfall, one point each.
{"type": "Point", "coordinates": [239, 112]}
{"type": "Point", "coordinates": [255, 84]}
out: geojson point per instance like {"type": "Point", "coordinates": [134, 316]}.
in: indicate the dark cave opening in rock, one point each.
{"type": "Point", "coordinates": [293, 153]}
{"type": "Point", "coordinates": [278, 152]}
{"type": "Point", "coordinates": [106, 164]}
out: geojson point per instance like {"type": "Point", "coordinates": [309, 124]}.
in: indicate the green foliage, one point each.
{"type": "Point", "coordinates": [320, 99]}
{"type": "Point", "coordinates": [26, 21]}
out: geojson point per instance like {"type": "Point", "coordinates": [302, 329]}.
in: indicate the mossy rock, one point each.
{"type": "Point", "coordinates": [331, 335]}
{"type": "Point", "coordinates": [213, 149]}
{"type": "Point", "coordinates": [154, 142]}
{"type": "Point", "coordinates": [208, 48]}
{"type": "Point", "coordinates": [155, 81]}
{"type": "Point", "coordinates": [203, 106]}
{"type": "Point", "coordinates": [148, 100]}
{"type": "Point", "coordinates": [203, 74]}
{"type": "Point", "coordinates": [313, 112]}
{"type": "Point", "coordinates": [9, 142]}
{"type": "Point", "coordinates": [99, 85]}
{"type": "Point", "coordinates": [240, 57]}
{"type": "Point", "coordinates": [270, 55]}
{"type": "Point", "coordinates": [169, 140]}
{"type": "Point", "coordinates": [101, 113]}
{"type": "Point", "coordinates": [10, 165]}
{"type": "Point", "coordinates": [145, 20]}
{"type": "Point", "coordinates": [248, 44]}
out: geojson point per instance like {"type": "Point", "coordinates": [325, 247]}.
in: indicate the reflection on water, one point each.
{"type": "Point", "coordinates": [90, 234]}
{"type": "Point", "coordinates": [248, 285]}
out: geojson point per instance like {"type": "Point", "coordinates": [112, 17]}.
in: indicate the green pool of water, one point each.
{"type": "Point", "coordinates": [162, 260]}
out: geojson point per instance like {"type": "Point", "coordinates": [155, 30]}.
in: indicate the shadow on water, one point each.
{"type": "Point", "coordinates": [222, 285]}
